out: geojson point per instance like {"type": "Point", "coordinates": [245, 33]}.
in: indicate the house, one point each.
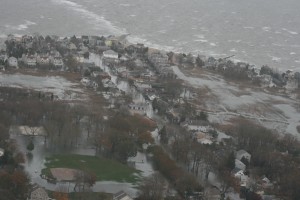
{"type": "Point", "coordinates": [85, 39]}
{"type": "Point", "coordinates": [32, 130]}
{"type": "Point", "coordinates": [43, 59]}
{"type": "Point", "coordinates": [158, 58]}
{"type": "Point", "coordinates": [243, 154]}
{"type": "Point", "coordinates": [237, 172]}
{"type": "Point", "coordinates": [244, 180]}
{"type": "Point", "coordinates": [57, 61]}
{"type": "Point", "coordinates": [71, 46]}
{"type": "Point", "coordinates": [85, 81]}
{"type": "Point", "coordinates": [79, 58]}
{"type": "Point", "coordinates": [39, 194]}
{"type": "Point", "coordinates": [203, 138]}
{"type": "Point", "coordinates": [196, 125]}
{"type": "Point", "coordinates": [110, 54]}
{"type": "Point", "coordinates": [239, 164]}
{"type": "Point", "coordinates": [29, 60]}
{"type": "Point", "coordinates": [1, 152]}
{"type": "Point", "coordinates": [139, 108]}
{"type": "Point", "coordinates": [13, 62]}
{"type": "Point", "coordinates": [142, 86]}
{"type": "Point", "coordinates": [121, 196]}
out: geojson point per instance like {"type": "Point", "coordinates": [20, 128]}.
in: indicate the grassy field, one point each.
{"type": "Point", "coordinates": [105, 169]}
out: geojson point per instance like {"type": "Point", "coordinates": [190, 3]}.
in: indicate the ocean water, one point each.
{"type": "Point", "coordinates": [255, 31]}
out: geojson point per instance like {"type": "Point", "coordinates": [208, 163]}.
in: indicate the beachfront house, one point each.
{"type": "Point", "coordinates": [57, 61]}
{"type": "Point", "coordinates": [29, 60]}
{"type": "Point", "coordinates": [12, 62]}
{"type": "Point", "coordinates": [43, 59]}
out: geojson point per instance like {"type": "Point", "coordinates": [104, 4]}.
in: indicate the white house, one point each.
{"type": "Point", "coordinates": [29, 60]}
{"type": "Point", "coordinates": [242, 153]}
{"type": "Point", "coordinates": [142, 86]}
{"type": "Point", "coordinates": [110, 54]}
{"type": "Point", "coordinates": [239, 164]}
{"type": "Point", "coordinates": [197, 125]}
{"type": "Point", "coordinates": [57, 61]}
{"type": "Point", "coordinates": [85, 81]}
{"type": "Point", "coordinates": [13, 62]}
{"type": "Point", "coordinates": [237, 172]}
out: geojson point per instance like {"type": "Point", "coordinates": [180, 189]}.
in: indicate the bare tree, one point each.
{"type": "Point", "coordinates": [152, 188]}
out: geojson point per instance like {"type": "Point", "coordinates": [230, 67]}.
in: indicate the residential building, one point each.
{"type": "Point", "coordinates": [43, 59]}
{"type": "Point", "coordinates": [243, 154]}
{"type": "Point", "coordinates": [13, 62]}
{"type": "Point", "coordinates": [239, 164]}
{"type": "Point", "coordinates": [57, 61]}
{"type": "Point", "coordinates": [29, 60]}
{"type": "Point", "coordinates": [110, 54]}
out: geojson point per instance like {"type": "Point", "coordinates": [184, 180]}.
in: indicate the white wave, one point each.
{"type": "Point", "coordinates": [132, 15]}
{"type": "Point", "coordinates": [275, 59]}
{"type": "Point", "coordinates": [248, 27]}
{"type": "Point", "coordinates": [233, 50]}
{"type": "Point", "coordinates": [278, 45]}
{"type": "Point", "coordinates": [290, 32]}
{"type": "Point", "coordinates": [201, 40]}
{"type": "Point", "coordinates": [297, 61]}
{"type": "Point", "coordinates": [135, 40]}
{"type": "Point", "coordinates": [266, 28]}
{"type": "Point", "coordinates": [200, 36]}
{"type": "Point", "coordinates": [212, 44]}
{"type": "Point", "coordinates": [94, 19]}
{"type": "Point", "coordinates": [20, 27]}
{"type": "Point", "coordinates": [292, 53]}
{"type": "Point", "coordinates": [125, 4]}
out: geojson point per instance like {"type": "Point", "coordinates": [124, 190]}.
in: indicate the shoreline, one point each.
{"type": "Point", "coordinates": [134, 40]}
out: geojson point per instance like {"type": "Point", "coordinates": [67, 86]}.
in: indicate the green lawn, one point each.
{"type": "Point", "coordinates": [105, 169]}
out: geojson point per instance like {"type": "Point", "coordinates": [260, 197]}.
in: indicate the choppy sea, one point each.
{"type": "Point", "coordinates": [255, 31]}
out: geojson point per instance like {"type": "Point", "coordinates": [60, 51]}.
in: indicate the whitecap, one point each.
{"type": "Point", "coordinates": [200, 36]}
{"type": "Point", "coordinates": [275, 59]}
{"type": "Point", "coordinates": [266, 28]}
{"type": "Point", "coordinates": [201, 40]}
{"type": "Point", "coordinates": [292, 53]}
{"type": "Point", "coordinates": [21, 27]}
{"type": "Point", "coordinates": [248, 27]}
{"type": "Point", "coordinates": [125, 4]}
{"type": "Point", "coordinates": [233, 50]}
{"type": "Point", "coordinates": [290, 32]}
{"type": "Point", "coordinates": [212, 44]}
{"type": "Point", "coordinates": [94, 19]}
{"type": "Point", "coordinates": [132, 15]}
